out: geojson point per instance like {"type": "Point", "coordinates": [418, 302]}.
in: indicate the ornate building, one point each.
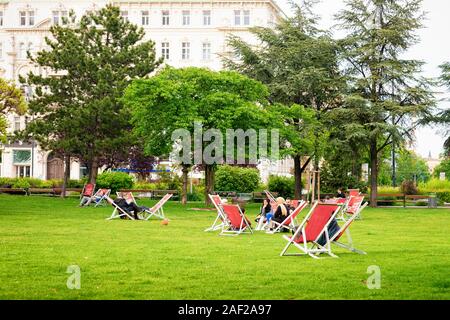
{"type": "Point", "coordinates": [186, 33]}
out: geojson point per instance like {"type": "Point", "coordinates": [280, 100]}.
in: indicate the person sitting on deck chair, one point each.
{"type": "Point", "coordinates": [264, 211]}
{"type": "Point", "coordinates": [340, 194]}
{"type": "Point", "coordinates": [280, 214]}
{"type": "Point", "coordinates": [130, 206]}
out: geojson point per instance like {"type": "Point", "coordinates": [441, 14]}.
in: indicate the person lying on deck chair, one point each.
{"type": "Point", "coordinates": [280, 214]}
{"type": "Point", "coordinates": [130, 206]}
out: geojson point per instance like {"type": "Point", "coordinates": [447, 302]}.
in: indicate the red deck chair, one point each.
{"type": "Point", "coordinates": [353, 206]}
{"type": "Point", "coordinates": [311, 229]}
{"type": "Point", "coordinates": [237, 222]}
{"type": "Point", "coordinates": [346, 229]}
{"type": "Point", "coordinates": [118, 212]}
{"type": "Point", "coordinates": [100, 196]}
{"type": "Point", "coordinates": [353, 192]}
{"type": "Point", "coordinates": [87, 193]}
{"type": "Point", "coordinates": [220, 218]}
{"type": "Point", "coordinates": [289, 222]}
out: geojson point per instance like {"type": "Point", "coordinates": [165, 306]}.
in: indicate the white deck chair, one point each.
{"type": "Point", "coordinates": [220, 218]}
{"type": "Point", "coordinates": [118, 212]}
{"type": "Point", "coordinates": [99, 198]}
{"type": "Point", "coordinates": [157, 210]}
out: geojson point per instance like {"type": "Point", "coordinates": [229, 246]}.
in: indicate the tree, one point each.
{"type": "Point", "coordinates": [444, 116]}
{"type": "Point", "coordinates": [299, 64]}
{"type": "Point", "coordinates": [178, 98]}
{"type": "Point", "coordinates": [386, 92]}
{"type": "Point", "coordinates": [78, 108]}
{"type": "Point", "coordinates": [411, 167]}
{"type": "Point", "coordinates": [11, 100]}
{"type": "Point", "coordinates": [444, 166]}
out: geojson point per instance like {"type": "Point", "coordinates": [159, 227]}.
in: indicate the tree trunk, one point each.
{"type": "Point", "coordinates": [298, 177]}
{"type": "Point", "coordinates": [185, 171]}
{"type": "Point", "coordinates": [373, 174]}
{"type": "Point", "coordinates": [94, 171]}
{"type": "Point", "coordinates": [66, 175]}
{"type": "Point", "coordinates": [209, 182]}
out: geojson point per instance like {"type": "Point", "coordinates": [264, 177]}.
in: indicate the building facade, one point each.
{"type": "Point", "coordinates": [186, 33]}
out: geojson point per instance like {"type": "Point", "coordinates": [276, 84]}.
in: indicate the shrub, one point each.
{"type": "Point", "coordinates": [434, 185]}
{"type": "Point", "coordinates": [114, 181]}
{"type": "Point", "coordinates": [283, 185]}
{"type": "Point", "coordinates": [388, 190]}
{"type": "Point", "coordinates": [22, 183]}
{"type": "Point", "coordinates": [409, 187]}
{"type": "Point", "coordinates": [237, 179]}
{"type": "Point", "coordinates": [443, 196]}
{"type": "Point", "coordinates": [145, 186]}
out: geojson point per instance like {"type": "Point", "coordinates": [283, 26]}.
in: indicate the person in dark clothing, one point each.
{"type": "Point", "coordinates": [130, 207]}
{"type": "Point", "coordinates": [281, 213]}
{"type": "Point", "coordinates": [340, 194]}
{"type": "Point", "coordinates": [265, 209]}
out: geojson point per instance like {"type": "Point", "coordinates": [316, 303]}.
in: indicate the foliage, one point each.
{"type": "Point", "coordinates": [283, 185]}
{"type": "Point", "coordinates": [11, 100]}
{"type": "Point", "coordinates": [444, 166]}
{"type": "Point", "coordinates": [77, 108]}
{"type": "Point", "coordinates": [114, 181]}
{"type": "Point", "coordinates": [231, 178]}
{"type": "Point", "coordinates": [409, 187]}
{"type": "Point", "coordinates": [443, 196]}
{"type": "Point", "coordinates": [434, 185]}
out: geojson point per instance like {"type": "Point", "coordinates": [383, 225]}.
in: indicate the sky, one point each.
{"type": "Point", "coordinates": [433, 49]}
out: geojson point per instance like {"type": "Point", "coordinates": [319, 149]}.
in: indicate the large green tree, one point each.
{"type": "Point", "coordinates": [177, 98]}
{"type": "Point", "coordinates": [444, 116]}
{"type": "Point", "coordinates": [386, 91]}
{"type": "Point", "coordinates": [299, 64]}
{"type": "Point", "coordinates": [77, 107]}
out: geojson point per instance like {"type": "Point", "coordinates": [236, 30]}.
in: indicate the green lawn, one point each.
{"type": "Point", "coordinates": [41, 236]}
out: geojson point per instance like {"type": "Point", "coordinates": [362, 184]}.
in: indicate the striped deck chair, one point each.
{"type": "Point", "coordinates": [310, 231]}
{"type": "Point", "coordinates": [237, 222]}
{"type": "Point", "coordinates": [158, 209]}
{"type": "Point", "coordinates": [353, 207]}
{"type": "Point", "coordinates": [118, 212]}
{"type": "Point", "coordinates": [353, 192]}
{"type": "Point", "coordinates": [220, 218]}
{"type": "Point", "coordinates": [289, 222]}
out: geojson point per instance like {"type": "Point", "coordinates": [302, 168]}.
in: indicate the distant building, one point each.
{"type": "Point", "coordinates": [432, 163]}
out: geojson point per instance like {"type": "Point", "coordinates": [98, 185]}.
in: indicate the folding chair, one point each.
{"type": "Point", "coordinates": [311, 229]}
{"type": "Point", "coordinates": [86, 194]}
{"type": "Point", "coordinates": [270, 196]}
{"type": "Point", "coordinates": [126, 195]}
{"type": "Point", "coordinates": [346, 228]}
{"type": "Point", "coordinates": [100, 196]}
{"type": "Point", "coordinates": [289, 222]}
{"type": "Point", "coordinates": [118, 212]}
{"type": "Point", "coordinates": [157, 210]}
{"type": "Point", "coordinates": [237, 222]}
{"type": "Point", "coordinates": [353, 192]}
{"type": "Point", "coordinates": [353, 207]}
{"type": "Point", "coordinates": [220, 218]}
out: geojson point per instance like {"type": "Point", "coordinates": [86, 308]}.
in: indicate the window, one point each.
{"type": "Point", "coordinates": [145, 18]}
{"type": "Point", "coordinates": [1, 18]}
{"type": "Point", "coordinates": [31, 18]}
{"type": "Point", "coordinates": [165, 18]}
{"type": "Point", "coordinates": [26, 16]}
{"type": "Point", "coordinates": [237, 17]}
{"type": "Point", "coordinates": [124, 15]}
{"type": "Point", "coordinates": [21, 156]}
{"type": "Point", "coordinates": [59, 16]}
{"type": "Point", "coordinates": [30, 46]}
{"type": "Point", "coordinates": [186, 17]}
{"type": "Point", "coordinates": [185, 50]}
{"type": "Point", "coordinates": [206, 17]}
{"type": "Point", "coordinates": [165, 50]}
{"type": "Point", "coordinates": [246, 17]}
{"type": "Point", "coordinates": [23, 18]}
{"type": "Point", "coordinates": [23, 171]}
{"type": "Point", "coordinates": [16, 124]}
{"type": "Point", "coordinates": [206, 51]}
{"type": "Point", "coordinates": [22, 50]}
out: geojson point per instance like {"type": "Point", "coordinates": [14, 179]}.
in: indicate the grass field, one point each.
{"type": "Point", "coordinates": [41, 236]}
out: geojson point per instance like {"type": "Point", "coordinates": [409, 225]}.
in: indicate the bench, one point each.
{"type": "Point", "coordinates": [22, 191]}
